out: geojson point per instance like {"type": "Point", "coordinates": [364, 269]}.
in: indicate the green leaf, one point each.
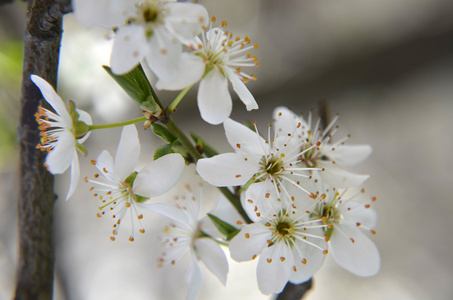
{"type": "Point", "coordinates": [226, 229]}
{"type": "Point", "coordinates": [136, 85]}
{"type": "Point", "coordinates": [162, 151]}
{"type": "Point", "coordinates": [206, 149]}
{"type": "Point", "coordinates": [165, 133]}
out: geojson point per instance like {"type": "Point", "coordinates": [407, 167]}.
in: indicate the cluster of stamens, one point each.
{"type": "Point", "coordinates": [116, 197]}
{"type": "Point", "coordinates": [330, 215]}
{"type": "Point", "coordinates": [221, 49]}
{"type": "Point", "coordinates": [49, 130]}
{"type": "Point", "coordinates": [283, 164]}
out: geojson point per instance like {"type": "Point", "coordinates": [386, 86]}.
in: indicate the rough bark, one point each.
{"type": "Point", "coordinates": [36, 198]}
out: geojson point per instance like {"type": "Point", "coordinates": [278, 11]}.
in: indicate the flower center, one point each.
{"type": "Point", "coordinates": [273, 166]}
{"type": "Point", "coordinates": [283, 228]}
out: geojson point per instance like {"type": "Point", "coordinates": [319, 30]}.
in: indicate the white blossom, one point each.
{"type": "Point", "coordinates": [347, 220]}
{"type": "Point", "coordinates": [291, 246]}
{"type": "Point", "coordinates": [216, 58]}
{"type": "Point", "coordinates": [150, 29]}
{"type": "Point", "coordinates": [186, 234]}
{"type": "Point", "coordinates": [58, 134]}
{"type": "Point", "coordinates": [122, 189]}
{"type": "Point", "coordinates": [321, 152]}
{"type": "Point", "coordinates": [257, 163]}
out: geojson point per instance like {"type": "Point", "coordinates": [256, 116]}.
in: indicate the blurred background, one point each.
{"type": "Point", "coordinates": [386, 66]}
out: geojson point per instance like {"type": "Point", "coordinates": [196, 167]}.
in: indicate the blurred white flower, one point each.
{"type": "Point", "coordinates": [150, 29]}
{"type": "Point", "coordinates": [59, 134]}
{"type": "Point", "coordinates": [124, 189]}
{"type": "Point", "coordinates": [290, 244]}
{"type": "Point", "coordinates": [216, 58]}
{"type": "Point", "coordinates": [186, 234]}
{"type": "Point", "coordinates": [346, 220]}
{"type": "Point", "coordinates": [320, 152]}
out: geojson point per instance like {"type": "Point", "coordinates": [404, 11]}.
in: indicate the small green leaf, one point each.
{"type": "Point", "coordinates": [205, 148]}
{"type": "Point", "coordinates": [250, 125]}
{"type": "Point", "coordinates": [162, 151]}
{"type": "Point", "coordinates": [232, 235]}
{"type": "Point", "coordinates": [136, 85]}
{"type": "Point", "coordinates": [226, 229]}
{"type": "Point", "coordinates": [162, 131]}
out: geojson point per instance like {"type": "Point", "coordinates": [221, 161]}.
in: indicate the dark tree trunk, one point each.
{"type": "Point", "coordinates": [36, 198]}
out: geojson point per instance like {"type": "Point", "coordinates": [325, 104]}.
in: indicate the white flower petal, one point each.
{"type": "Point", "coordinates": [340, 178]}
{"type": "Point", "coordinates": [127, 153]}
{"type": "Point", "coordinates": [354, 251]}
{"type": "Point", "coordinates": [75, 175]}
{"type": "Point", "coordinates": [168, 211]}
{"type": "Point", "coordinates": [308, 259]}
{"type": "Point", "coordinates": [358, 212]}
{"type": "Point", "coordinates": [164, 54]}
{"type": "Point", "coordinates": [193, 280]}
{"type": "Point", "coordinates": [104, 163]}
{"type": "Point", "coordinates": [249, 242]}
{"type": "Point", "coordinates": [286, 122]}
{"type": "Point", "coordinates": [109, 13]}
{"type": "Point", "coordinates": [190, 71]}
{"type": "Point", "coordinates": [240, 89]}
{"type": "Point", "coordinates": [260, 196]}
{"type": "Point", "coordinates": [48, 92]}
{"type": "Point", "coordinates": [86, 118]}
{"type": "Point", "coordinates": [214, 100]}
{"type": "Point", "coordinates": [128, 48]}
{"type": "Point", "coordinates": [274, 268]}
{"type": "Point", "coordinates": [213, 258]}
{"type": "Point", "coordinates": [228, 169]}
{"type": "Point", "coordinates": [243, 139]}
{"type": "Point", "coordinates": [62, 155]}
{"type": "Point", "coordinates": [185, 20]}
{"type": "Point", "coordinates": [159, 176]}
{"type": "Point", "coordinates": [350, 155]}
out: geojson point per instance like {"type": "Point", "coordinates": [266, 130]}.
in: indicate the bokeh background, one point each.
{"type": "Point", "coordinates": [386, 66]}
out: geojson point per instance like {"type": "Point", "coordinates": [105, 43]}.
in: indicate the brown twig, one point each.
{"type": "Point", "coordinates": [36, 198]}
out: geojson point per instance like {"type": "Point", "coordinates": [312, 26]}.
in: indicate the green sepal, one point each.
{"type": "Point", "coordinates": [209, 67]}
{"type": "Point", "coordinates": [81, 148]}
{"type": "Point", "coordinates": [73, 111]}
{"type": "Point", "coordinates": [162, 151]}
{"type": "Point", "coordinates": [203, 147]}
{"type": "Point", "coordinates": [136, 85]}
{"type": "Point", "coordinates": [129, 181]}
{"type": "Point", "coordinates": [225, 228]}
{"type": "Point", "coordinates": [162, 131]}
{"type": "Point", "coordinates": [140, 199]}
{"type": "Point", "coordinates": [80, 129]}
{"type": "Point", "coordinates": [328, 233]}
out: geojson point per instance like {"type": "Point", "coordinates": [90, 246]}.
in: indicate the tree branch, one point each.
{"type": "Point", "coordinates": [36, 198]}
{"type": "Point", "coordinates": [295, 291]}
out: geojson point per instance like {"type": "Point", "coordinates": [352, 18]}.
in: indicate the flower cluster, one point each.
{"type": "Point", "coordinates": [286, 196]}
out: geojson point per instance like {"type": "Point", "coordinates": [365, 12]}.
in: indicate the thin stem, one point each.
{"type": "Point", "coordinates": [183, 139]}
{"type": "Point", "coordinates": [171, 109]}
{"type": "Point", "coordinates": [120, 124]}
